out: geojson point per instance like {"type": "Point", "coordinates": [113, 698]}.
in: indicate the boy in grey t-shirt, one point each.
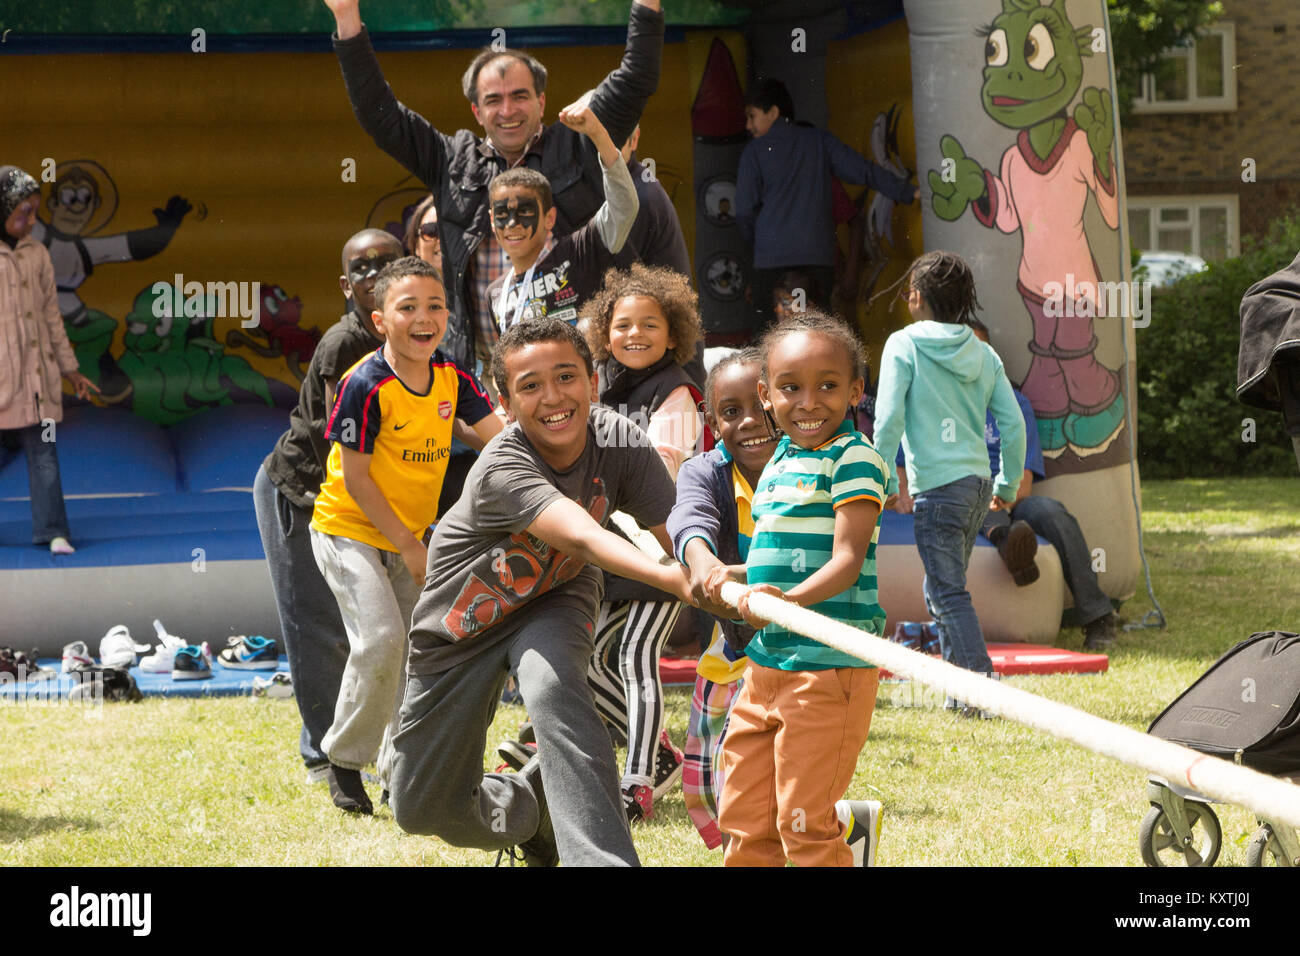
{"type": "Point", "coordinates": [513, 581]}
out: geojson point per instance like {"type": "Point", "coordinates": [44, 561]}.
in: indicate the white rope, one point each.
{"type": "Point", "coordinates": [1271, 799]}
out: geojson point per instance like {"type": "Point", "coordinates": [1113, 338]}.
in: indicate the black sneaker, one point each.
{"type": "Point", "coordinates": [540, 848]}
{"type": "Point", "coordinates": [1101, 633]}
{"type": "Point", "coordinates": [1017, 548]}
{"type": "Point", "coordinates": [516, 754]}
{"type": "Point", "coordinates": [22, 667]}
{"type": "Point", "coordinates": [668, 765]}
{"type": "Point", "coordinates": [348, 792]}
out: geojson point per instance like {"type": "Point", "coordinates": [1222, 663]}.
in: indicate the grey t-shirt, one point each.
{"type": "Point", "coordinates": [484, 567]}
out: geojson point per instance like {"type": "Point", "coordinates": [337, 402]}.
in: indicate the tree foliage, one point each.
{"type": "Point", "coordinates": [1141, 30]}
{"type": "Point", "coordinates": [1190, 423]}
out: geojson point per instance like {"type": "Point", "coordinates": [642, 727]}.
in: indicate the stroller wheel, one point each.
{"type": "Point", "coordinates": [1160, 845]}
{"type": "Point", "coordinates": [1265, 849]}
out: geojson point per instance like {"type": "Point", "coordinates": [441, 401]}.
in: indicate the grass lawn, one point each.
{"type": "Point", "coordinates": [218, 782]}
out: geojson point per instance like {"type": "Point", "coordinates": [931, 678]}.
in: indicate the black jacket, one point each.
{"type": "Point", "coordinates": [458, 168]}
{"type": "Point", "coordinates": [1268, 363]}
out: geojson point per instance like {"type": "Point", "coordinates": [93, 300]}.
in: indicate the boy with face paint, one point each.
{"type": "Point", "coordinates": [285, 490]}
{"type": "Point", "coordinates": [550, 276]}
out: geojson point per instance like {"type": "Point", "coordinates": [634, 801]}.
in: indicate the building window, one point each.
{"type": "Point", "coordinates": [1199, 77]}
{"type": "Point", "coordinates": [1204, 226]}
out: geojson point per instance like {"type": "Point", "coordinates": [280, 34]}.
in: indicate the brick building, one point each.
{"type": "Point", "coordinates": [1226, 114]}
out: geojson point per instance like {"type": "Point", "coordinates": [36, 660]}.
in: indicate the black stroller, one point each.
{"type": "Point", "coordinates": [1245, 708]}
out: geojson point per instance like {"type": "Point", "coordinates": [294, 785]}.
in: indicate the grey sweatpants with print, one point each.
{"type": "Point", "coordinates": [438, 785]}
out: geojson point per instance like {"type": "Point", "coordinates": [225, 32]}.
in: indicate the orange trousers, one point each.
{"type": "Point", "coordinates": [791, 748]}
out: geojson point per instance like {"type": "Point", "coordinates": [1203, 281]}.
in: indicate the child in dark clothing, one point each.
{"type": "Point", "coordinates": [642, 327]}
{"type": "Point", "coordinates": [285, 490]}
{"type": "Point", "coordinates": [711, 527]}
{"type": "Point", "coordinates": [550, 276]}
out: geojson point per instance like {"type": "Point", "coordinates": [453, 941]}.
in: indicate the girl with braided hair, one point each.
{"type": "Point", "coordinates": [937, 383]}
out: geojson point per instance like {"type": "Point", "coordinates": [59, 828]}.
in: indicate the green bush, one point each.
{"type": "Point", "coordinates": [1190, 423]}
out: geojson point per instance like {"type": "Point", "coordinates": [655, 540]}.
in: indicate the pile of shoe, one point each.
{"type": "Point", "coordinates": [20, 668]}
{"type": "Point", "coordinates": [110, 678]}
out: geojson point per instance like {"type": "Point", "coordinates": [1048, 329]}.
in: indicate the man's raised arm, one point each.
{"type": "Point", "coordinates": [347, 17]}
{"type": "Point", "coordinates": [400, 132]}
{"type": "Point", "coordinates": [622, 95]}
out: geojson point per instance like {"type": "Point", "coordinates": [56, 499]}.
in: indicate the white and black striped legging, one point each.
{"type": "Point", "coordinates": [624, 677]}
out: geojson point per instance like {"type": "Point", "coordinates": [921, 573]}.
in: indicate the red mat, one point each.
{"type": "Point", "coordinates": [1007, 659]}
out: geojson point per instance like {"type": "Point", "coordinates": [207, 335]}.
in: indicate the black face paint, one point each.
{"type": "Point", "coordinates": [524, 211]}
{"type": "Point", "coordinates": [366, 267]}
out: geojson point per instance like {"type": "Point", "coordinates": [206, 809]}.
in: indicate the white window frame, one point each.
{"type": "Point", "coordinates": [1194, 204]}
{"type": "Point", "coordinates": [1146, 102]}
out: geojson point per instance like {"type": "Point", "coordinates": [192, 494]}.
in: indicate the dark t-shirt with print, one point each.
{"type": "Point", "coordinates": [484, 567]}
{"type": "Point", "coordinates": [572, 272]}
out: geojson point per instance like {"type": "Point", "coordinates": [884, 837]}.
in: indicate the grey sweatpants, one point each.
{"type": "Point", "coordinates": [438, 786]}
{"type": "Point", "coordinates": [375, 594]}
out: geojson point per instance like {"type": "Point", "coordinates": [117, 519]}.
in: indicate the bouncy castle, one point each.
{"type": "Point", "coordinates": [201, 171]}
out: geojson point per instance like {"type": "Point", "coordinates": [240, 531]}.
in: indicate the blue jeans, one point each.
{"type": "Point", "coordinates": [1050, 520]}
{"type": "Point", "coordinates": [947, 520]}
{"type": "Point", "coordinates": [49, 515]}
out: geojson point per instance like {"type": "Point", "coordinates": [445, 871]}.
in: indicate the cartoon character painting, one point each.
{"type": "Point", "coordinates": [278, 332]}
{"type": "Point", "coordinates": [177, 367]}
{"type": "Point", "coordinates": [82, 201]}
{"type": "Point", "coordinates": [1033, 72]}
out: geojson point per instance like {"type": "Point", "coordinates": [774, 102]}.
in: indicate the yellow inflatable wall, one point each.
{"type": "Point", "coordinates": [260, 146]}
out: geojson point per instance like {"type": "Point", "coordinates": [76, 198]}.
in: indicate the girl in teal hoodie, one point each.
{"type": "Point", "coordinates": [937, 380]}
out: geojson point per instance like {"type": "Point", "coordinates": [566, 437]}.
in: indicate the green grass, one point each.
{"type": "Point", "coordinates": [217, 782]}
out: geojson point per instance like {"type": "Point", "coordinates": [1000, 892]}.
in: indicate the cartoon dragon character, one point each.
{"type": "Point", "coordinates": [278, 332]}
{"type": "Point", "coordinates": [1033, 70]}
{"type": "Point", "coordinates": [177, 368]}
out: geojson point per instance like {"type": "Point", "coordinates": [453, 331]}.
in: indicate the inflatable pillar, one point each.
{"type": "Point", "coordinates": [1018, 150]}
{"type": "Point", "coordinates": [722, 258]}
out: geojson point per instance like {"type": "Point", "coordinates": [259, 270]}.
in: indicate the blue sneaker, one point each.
{"type": "Point", "coordinates": [190, 664]}
{"type": "Point", "coordinates": [254, 653]}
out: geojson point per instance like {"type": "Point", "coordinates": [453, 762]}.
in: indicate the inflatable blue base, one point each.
{"type": "Point", "coordinates": [163, 523]}
{"type": "Point", "coordinates": [222, 683]}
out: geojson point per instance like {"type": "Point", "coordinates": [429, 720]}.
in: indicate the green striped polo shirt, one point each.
{"type": "Point", "coordinates": [794, 533]}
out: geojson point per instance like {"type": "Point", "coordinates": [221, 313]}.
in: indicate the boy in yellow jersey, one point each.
{"type": "Point", "coordinates": [390, 430]}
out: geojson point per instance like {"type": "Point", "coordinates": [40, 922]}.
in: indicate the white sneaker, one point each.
{"type": "Point", "coordinates": [277, 685]}
{"type": "Point", "coordinates": [116, 649]}
{"type": "Point", "coordinates": [862, 820]}
{"type": "Point", "coordinates": [76, 656]}
{"type": "Point", "coordinates": [164, 656]}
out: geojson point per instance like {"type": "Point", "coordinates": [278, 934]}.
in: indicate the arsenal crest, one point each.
{"type": "Point", "coordinates": [444, 409]}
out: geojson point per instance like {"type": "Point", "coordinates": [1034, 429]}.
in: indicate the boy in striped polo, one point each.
{"type": "Point", "coordinates": [390, 431]}
{"type": "Point", "coordinates": [803, 714]}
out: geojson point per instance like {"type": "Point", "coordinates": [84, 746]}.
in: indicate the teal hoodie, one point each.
{"type": "Point", "coordinates": [937, 380]}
